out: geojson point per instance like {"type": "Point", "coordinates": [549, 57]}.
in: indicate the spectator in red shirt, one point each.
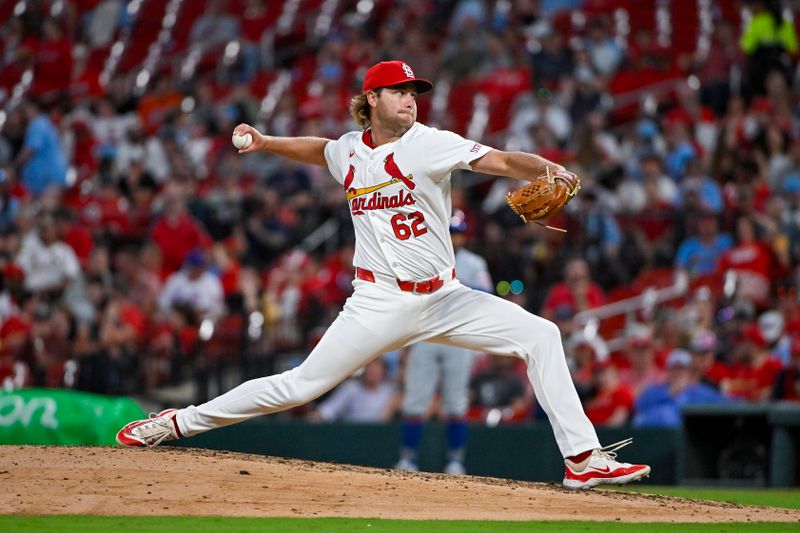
{"type": "Point", "coordinates": [577, 292]}
{"type": "Point", "coordinates": [335, 277]}
{"type": "Point", "coordinates": [84, 150]}
{"type": "Point", "coordinates": [52, 69]}
{"type": "Point", "coordinates": [612, 403]}
{"type": "Point", "coordinates": [77, 236]}
{"type": "Point", "coordinates": [122, 327]}
{"type": "Point", "coordinates": [751, 260]}
{"type": "Point", "coordinates": [255, 20]}
{"type": "Point", "coordinates": [753, 370]}
{"type": "Point", "coordinates": [227, 267]}
{"type": "Point", "coordinates": [177, 232]}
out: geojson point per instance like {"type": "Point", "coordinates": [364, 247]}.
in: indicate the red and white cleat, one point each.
{"type": "Point", "coordinates": [603, 468]}
{"type": "Point", "coordinates": [152, 431]}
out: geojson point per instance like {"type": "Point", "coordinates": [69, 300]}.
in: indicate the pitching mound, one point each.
{"type": "Point", "coordinates": [182, 481]}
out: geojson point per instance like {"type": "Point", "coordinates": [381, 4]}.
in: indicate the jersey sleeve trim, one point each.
{"type": "Point", "coordinates": [480, 152]}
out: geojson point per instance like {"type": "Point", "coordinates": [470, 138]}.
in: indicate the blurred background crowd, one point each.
{"type": "Point", "coordinates": [139, 254]}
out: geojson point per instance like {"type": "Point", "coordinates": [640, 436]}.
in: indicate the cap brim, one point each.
{"type": "Point", "coordinates": [422, 85]}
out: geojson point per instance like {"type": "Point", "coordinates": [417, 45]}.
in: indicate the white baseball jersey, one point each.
{"type": "Point", "coordinates": [399, 196]}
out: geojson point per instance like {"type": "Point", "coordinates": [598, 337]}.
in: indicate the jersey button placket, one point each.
{"type": "Point", "coordinates": [381, 230]}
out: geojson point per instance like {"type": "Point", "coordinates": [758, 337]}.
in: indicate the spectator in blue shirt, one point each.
{"type": "Point", "coordinates": [699, 254]}
{"type": "Point", "coordinates": [41, 161]}
{"type": "Point", "coordinates": [9, 205]}
{"type": "Point", "coordinates": [707, 189]}
{"type": "Point", "coordinates": [660, 405]}
{"type": "Point", "coordinates": [680, 149]}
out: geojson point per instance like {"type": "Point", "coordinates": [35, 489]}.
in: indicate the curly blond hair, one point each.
{"type": "Point", "coordinates": [360, 109]}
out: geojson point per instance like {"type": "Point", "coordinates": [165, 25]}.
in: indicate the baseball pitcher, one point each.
{"type": "Point", "coordinates": [395, 175]}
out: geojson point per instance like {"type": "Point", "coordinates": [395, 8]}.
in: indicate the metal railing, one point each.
{"type": "Point", "coordinates": [647, 301]}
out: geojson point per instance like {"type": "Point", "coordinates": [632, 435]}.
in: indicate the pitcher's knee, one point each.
{"type": "Point", "coordinates": [542, 330]}
{"type": "Point", "coordinates": [543, 338]}
{"type": "Point", "coordinates": [550, 330]}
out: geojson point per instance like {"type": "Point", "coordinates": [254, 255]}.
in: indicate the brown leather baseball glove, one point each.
{"type": "Point", "coordinates": [544, 196]}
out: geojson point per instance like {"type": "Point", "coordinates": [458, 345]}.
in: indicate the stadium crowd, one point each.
{"type": "Point", "coordinates": [138, 250]}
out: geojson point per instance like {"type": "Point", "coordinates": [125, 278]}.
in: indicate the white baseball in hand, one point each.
{"type": "Point", "coordinates": [242, 141]}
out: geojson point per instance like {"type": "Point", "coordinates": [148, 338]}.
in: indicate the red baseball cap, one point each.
{"type": "Point", "coordinates": [388, 73]}
{"type": "Point", "coordinates": [12, 270]}
{"type": "Point", "coordinates": [753, 334]}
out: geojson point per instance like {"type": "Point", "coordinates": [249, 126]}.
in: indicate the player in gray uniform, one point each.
{"type": "Point", "coordinates": [430, 364]}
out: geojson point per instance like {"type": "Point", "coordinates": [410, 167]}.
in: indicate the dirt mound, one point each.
{"type": "Point", "coordinates": [184, 481]}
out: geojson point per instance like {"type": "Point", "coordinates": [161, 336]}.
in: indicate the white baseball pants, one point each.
{"type": "Point", "coordinates": [378, 318]}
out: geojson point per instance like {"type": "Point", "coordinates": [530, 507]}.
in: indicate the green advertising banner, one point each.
{"type": "Point", "coordinates": [58, 416]}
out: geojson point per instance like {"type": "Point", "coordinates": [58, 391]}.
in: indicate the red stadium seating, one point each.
{"type": "Point", "coordinates": [144, 33]}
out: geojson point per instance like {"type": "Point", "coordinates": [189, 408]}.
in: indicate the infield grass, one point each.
{"type": "Point", "coordinates": [167, 524]}
{"type": "Point", "coordinates": [91, 524]}
{"type": "Point", "coordinates": [786, 498]}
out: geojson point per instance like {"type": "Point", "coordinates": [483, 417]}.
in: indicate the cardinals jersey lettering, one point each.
{"type": "Point", "coordinates": [399, 197]}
